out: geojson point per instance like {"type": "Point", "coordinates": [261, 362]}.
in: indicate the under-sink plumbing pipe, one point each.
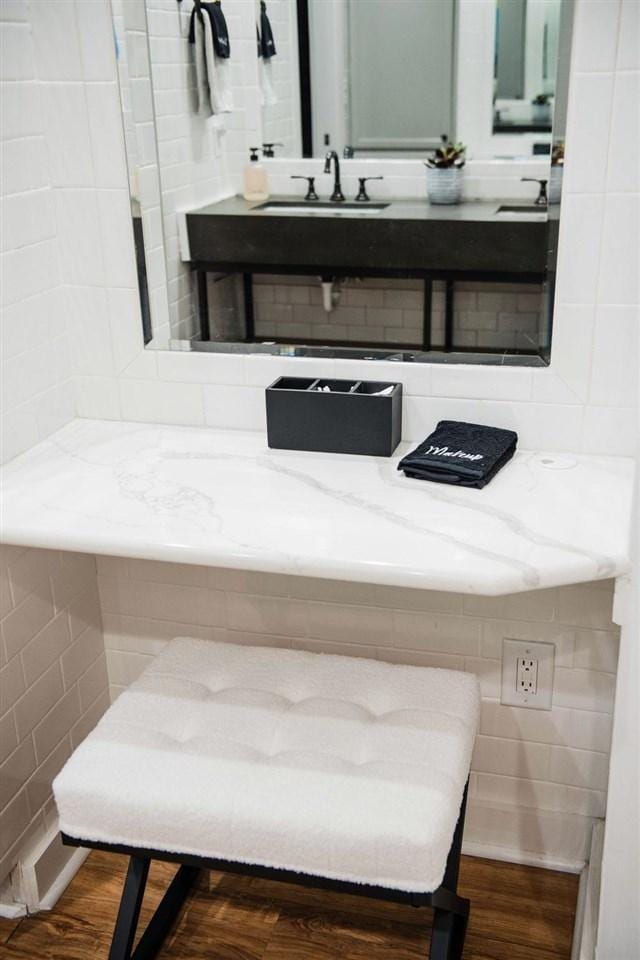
{"type": "Point", "coordinates": [331, 292]}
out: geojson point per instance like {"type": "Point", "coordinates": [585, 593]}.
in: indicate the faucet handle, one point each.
{"type": "Point", "coordinates": [268, 149]}
{"type": "Point", "coordinates": [541, 200]}
{"type": "Point", "coordinates": [311, 189]}
{"type": "Point", "coordinates": [363, 196]}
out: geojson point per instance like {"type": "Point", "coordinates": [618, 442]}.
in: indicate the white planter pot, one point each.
{"type": "Point", "coordinates": [444, 185]}
{"type": "Point", "coordinates": [555, 184]}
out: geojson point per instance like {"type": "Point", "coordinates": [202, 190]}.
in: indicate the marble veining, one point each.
{"type": "Point", "coordinates": [222, 498]}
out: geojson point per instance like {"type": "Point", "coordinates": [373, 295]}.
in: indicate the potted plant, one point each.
{"type": "Point", "coordinates": [557, 168]}
{"type": "Point", "coordinates": [444, 172]}
{"type": "Point", "coordinates": [541, 108]}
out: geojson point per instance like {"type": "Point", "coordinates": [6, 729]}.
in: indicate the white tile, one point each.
{"type": "Point", "coordinates": [571, 352]}
{"type": "Point", "coordinates": [235, 408]}
{"type": "Point", "coordinates": [623, 172]}
{"type": "Point", "coordinates": [629, 36]}
{"type": "Point", "coordinates": [21, 110]}
{"type": "Point", "coordinates": [157, 402]}
{"type": "Point", "coordinates": [200, 368]}
{"type": "Point", "coordinates": [586, 605]}
{"type": "Point", "coordinates": [614, 369]}
{"type": "Point", "coordinates": [46, 647]}
{"type": "Point", "coordinates": [106, 134]}
{"type": "Point", "coordinates": [579, 768]}
{"type": "Point", "coordinates": [56, 39]}
{"type": "Point", "coordinates": [595, 36]}
{"type": "Point", "coordinates": [346, 624]}
{"type": "Point", "coordinates": [584, 689]}
{"type": "Point", "coordinates": [560, 635]}
{"type": "Point", "coordinates": [183, 574]}
{"type": "Point", "coordinates": [38, 700]}
{"type": "Point", "coordinates": [596, 650]}
{"type": "Point", "coordinates": [98, 398]}
{"type": "Point", "coordinates": [90, 331]}
{"type": "Point", "coordinates": [27, 618]}
{"type": "Point", "coordinates": [619, 274]}
{"type": "Point", "coordinates": [125, 322]}
{"type": "Point", "coordinates": [588, 133]}
{"type": "Point", "coordinates": [446, 634]}
{"type": "Point", "coordinates": [17, 62]}
{"type": "Point", "coordinates": [163, 601]}
{"type": "Point", "coordinates": [610, 431]}
{"type": "Point", "coordinates": [95, 30]}
{"type": "Point", "coordinates": [116, 234]}
{"type": "Point", "coordinates": [79, 233]}
{"type": "Point", "coordinates": [12, 684]}
{"type": "Point", "coordinates": [67, 133]}
{"type": "Point", "coordinates": [513, 758]}
{"type": "Point", "coordinates": [271, 615]}
{"type": "Point", "coordinates": [81, 654]}
{"type": "Point", "coordinates": [477, 381]}
{"type": "Point", "coordinates": [56, 724]}
{"type": "Point", "coordinates": [539, 795]}
{"type": "Point", "coordinates": [582, 729]}
{"type": "Point", "coordinates": [125, 667]}
{"type": "Point", "coordinates": [579, 249]}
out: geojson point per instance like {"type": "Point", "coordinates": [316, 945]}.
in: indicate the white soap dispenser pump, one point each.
{"type": "Point", "coordinates": [256, 185]}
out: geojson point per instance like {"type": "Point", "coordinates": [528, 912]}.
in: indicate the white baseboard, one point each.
{"type": "Point", "coordinates": [585, 930]}
{"type": "Point", "coordinates": [487, 851]}
{"type": "Point", "coordinates": [44, 870]}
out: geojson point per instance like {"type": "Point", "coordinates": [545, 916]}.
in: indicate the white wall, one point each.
{"type": "Point", "coordinates": [35, 354]}
{"type": "Point", "coordinates": [53, 684]}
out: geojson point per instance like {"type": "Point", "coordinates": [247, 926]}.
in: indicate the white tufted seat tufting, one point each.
{"type": "Point", "coordinates": [345, 768]}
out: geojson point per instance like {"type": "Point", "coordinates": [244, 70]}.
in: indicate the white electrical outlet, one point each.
{"type": "Point", "coordinates": [527, 673]}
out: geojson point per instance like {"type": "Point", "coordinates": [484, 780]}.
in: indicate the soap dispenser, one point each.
{"type": "Point", "coordinates": [256, 186]}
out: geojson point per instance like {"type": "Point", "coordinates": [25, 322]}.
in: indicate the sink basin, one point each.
{"type": "Point", "coordinates": [320, 208]}
{"type": "Point", "coordinates": [522, 208]}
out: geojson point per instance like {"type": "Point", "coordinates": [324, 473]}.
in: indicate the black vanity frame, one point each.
{"type": "Point", "coordinates": [450, 911]}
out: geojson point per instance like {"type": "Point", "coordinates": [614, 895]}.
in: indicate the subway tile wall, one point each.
{"type": "Point", "coordinates": [53, 683]}
{"type": "Point", "coordinates": [539, 777]}
{"type": "Point", "coordinates": [35, 347]}
{"type": "Point", "coordinates": [489, 316]}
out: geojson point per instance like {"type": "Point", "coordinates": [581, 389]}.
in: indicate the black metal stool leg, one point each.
{"type": "Point", "coordinates": [166, 913]}
{"type": "Point", "coordinates": [129, 910]}
{"type": "Point", "coordinates": [442, 936]}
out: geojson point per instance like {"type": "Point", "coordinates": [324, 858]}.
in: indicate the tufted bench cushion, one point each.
{"type": "Point", "coordinates": [346, 768]}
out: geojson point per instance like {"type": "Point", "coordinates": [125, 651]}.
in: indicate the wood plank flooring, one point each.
{"type": "Point", "coordinates": [518, 913]}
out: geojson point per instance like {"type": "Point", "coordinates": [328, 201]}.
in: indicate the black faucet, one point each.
{"type": "Point", "coordinates": [542, 199]}
{"type": "Point", "coordinates": [337, 194]}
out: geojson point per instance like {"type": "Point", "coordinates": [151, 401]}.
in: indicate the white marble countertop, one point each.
{"type": "Point", "coordinates": [222, 498]}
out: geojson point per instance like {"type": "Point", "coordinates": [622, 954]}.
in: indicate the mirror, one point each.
{"type": "Point", "coordinates": [526, 58]}
{"type": "Point", "coordinates": [378, 82]}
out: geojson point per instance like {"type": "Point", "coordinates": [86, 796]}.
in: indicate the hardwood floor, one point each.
{"type": "Point", "coordinates": [517, 913]}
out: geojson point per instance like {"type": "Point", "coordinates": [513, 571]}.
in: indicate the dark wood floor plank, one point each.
{"type": "Point", "coordinates": [518, 913]}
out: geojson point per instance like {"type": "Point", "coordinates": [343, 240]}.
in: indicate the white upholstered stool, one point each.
{"type": "Point", "coordinates": [331, 771]}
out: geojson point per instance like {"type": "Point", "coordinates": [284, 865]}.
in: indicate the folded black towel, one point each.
{"type": "Point", "coordinates": [219, 29]}
{"type": "Point", "coordinates": [467, 454]}
{"type": "Point", "coordinates": [266, 43]}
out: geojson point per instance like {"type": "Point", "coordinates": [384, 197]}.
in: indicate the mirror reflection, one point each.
{"type": "Point", "coordinates": [367, 178]}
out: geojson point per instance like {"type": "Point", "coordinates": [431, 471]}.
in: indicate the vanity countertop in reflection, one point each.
{"type": "Point", "coordinates": [222, 498]}
{"type": "Point", "coordinates": [408, 237]}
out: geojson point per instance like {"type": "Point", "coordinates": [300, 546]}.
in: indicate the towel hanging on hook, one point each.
{"type": "Point", "coordinates": [266, 42]}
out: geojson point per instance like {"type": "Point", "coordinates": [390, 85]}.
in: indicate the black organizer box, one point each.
{"type": "Point", "coordinates": [349, 419]}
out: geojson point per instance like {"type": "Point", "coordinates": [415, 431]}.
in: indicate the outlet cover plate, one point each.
{"type": "Point", "coordinates": [543, 653]}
